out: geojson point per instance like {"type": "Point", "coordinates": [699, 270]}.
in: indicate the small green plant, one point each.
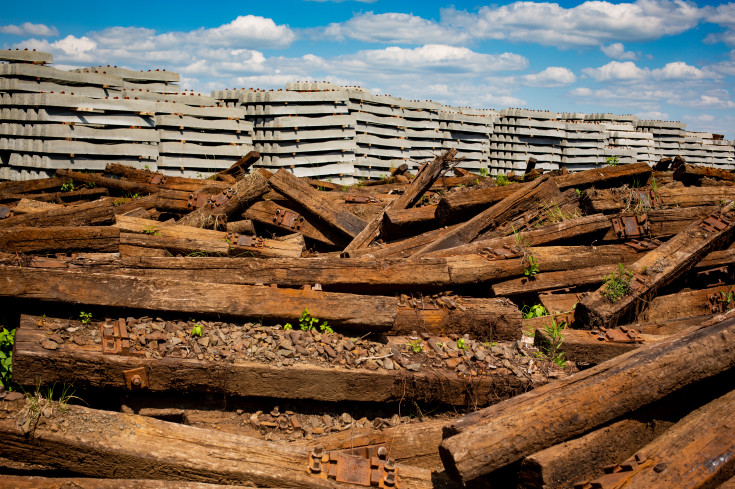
{"type": "Point", "coordinates": [307, 323]}
{"type": "Point", "coordinates": [287, 327]}
{"type": "Point", "coordinates": [483, 172]}
{"type": "Point", "coordinates": [68, 186]}
{"type": "Point", "coordinates": [501, 180]}
{"type": "Point", "coordinates": [617, 284]}
{"type": "Point", "coordinates": [7, 339]}
{"type": "Point", "coordinates": [196, 330]}
{"type": "Point", "coordinates": [612, 161]}
{"type": "Point", "coordinates": [532, 269]}
{"type": "Point", "coordinates": [90, 185]}
{"type": "Point", "coordinates": [416, 346]}
{"type": "Point", "coordinates": [654, 185]}
{"type": "Point", "coordinates": [579, 193]}
{"type": "Point", "coordinates": [552, 347]}
{"type": "Point", "coordinates": [151, 230]}
{"type": "Point", "coordinates": [86, 317]}
{"type": "Point", "coordinates": [146, 167]}
{"type": "Point", "coordinates": [462, 345]}
{"type": "Point", "coordinates": [535, 311]}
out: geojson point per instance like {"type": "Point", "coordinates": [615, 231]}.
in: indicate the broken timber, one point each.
{"type": "Point", "coordinates": [89, 366]}
{"type": "Point", "coordinates": [491, 438]}
{"type": "Point", "coordinates": [269, 213]}
{"type": "Point", "coordinates": [132, 446]}
{"type": "Point", "coordinates": [96, 213]}
{"type": "Point", "coordinates": [656, 269]}
{"type": "Point", "coordinates": [103, 239]}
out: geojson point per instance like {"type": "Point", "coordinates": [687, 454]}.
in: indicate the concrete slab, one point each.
{"type": "Point", "coordinates": [22, 174]}
{"type": "Point", "coordinates": [295, 122]}
{"type": "Point", "coordinates": [294, 148]}
{"type": "Point", "coordinates": [303, 134]}
{"type": "Point", "coordinates": [133, 75]}
{"type": "Point", "coordinates": [61, 146]}
{"type": "Point", "coordinates": [290, 97]}
{"type": "Point", "coordinates": [26, 56]}
{"type": "Point", "coordinates": [276, 110]}
{"type": "Point", "coordinates": [316, 159]}
{"type": "Point", "coordinates": [325, 171]}
{"type": "Point", "coordinates": [178, 148]}
{"type": "Point", "coordinates": [67, 131]}
{"type": "Point", "coordinates": [152, 87]}
{"type": "Point", "coordinates": [204, 137]}
{"type": "Point", "coordinates": [74, 163]}
{"type": "Point", "coordinates": [369, 140]}
{"type": "Point", "coordinates": [188, 123]}
{"type": "Point", "coordinates": [47, 73]}
{"type": "Point", "coordinates": [203, 112]}
{"type": "Point", "coordinates": [19, 85]}
{"type": "Point", "coordinates": [82, 118]}
{"type": "Point", "coordinates": [198, 165]}
{"type": "Point", "coordinates": [188, 98]}
{"type": "Point", "coordinates": [77, 103]}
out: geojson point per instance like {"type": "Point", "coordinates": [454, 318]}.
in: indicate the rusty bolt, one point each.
{"type": "Point", "coordinates": [316, 466]}
{"type": "Point", "coordinates": [658, 468]}
{"type": "Point", "coordinates": [136, 381]}
{"type": "Point", "coordinates": [390, 465]}
{"type": "Point", "coordinates": [390, 479]}
{"type": "Point", "coordinates": [318, 452]}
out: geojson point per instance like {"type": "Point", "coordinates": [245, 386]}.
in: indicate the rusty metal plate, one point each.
{"type": "Point", "coordinates": [644, 244]}
{"type": "Point", "coordinates": [368, 468]}
{"type": "Point", "coordinates": [197, 200]}
{"type": "Point", "coordinates": [633, 226]}
{"type": "Point", "coordinates": [245, 241]}
{"type": "Point", "coordinates": [5, 212]}
{"type": "Point", "coordinates": [288, 219]}
{"type": "Point", "coordinates": [136, 378]}
{"type": "Point", "coordinates": [156, 179]}
{"type": "Point", "coordinates": [354, 470]}
{"type": "Point", "coordinates": [714, 223]}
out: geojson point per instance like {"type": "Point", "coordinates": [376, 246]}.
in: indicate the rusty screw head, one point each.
{"type": "Point", "coordinates": [136, 381]}
{"type": "Point", "coordinates": [318, 452]}
{"type": "Point", "coordinates": [390, 465]}
{"type": "Point", "coordinates": [390, 479]}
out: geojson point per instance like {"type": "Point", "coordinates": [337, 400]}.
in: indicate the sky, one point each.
{"type": "Point", "coordinates": [656, 59]}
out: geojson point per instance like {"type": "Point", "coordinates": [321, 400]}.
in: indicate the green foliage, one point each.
{"type": "Point", "coordinates": [287, 327]}
{"type": "Point", "coordinates": [483, 172]}
{"type": "Point", "coordinates": [90, 185]}
{"type": "Point", "coordinates": [612, 161]}
{"type": "Point", "coordinates": [307, 323]}
{"type": "Point", "coordinates": [151, 230]}
{"type": "Point", "coordinates": [197, 330]}
{"type": "Point", "coordinates": [535, 311]}
{"type": "Point", "coordinates": [86, 317]}
{"type": "Point", "coordinates": [68, 186]}
{"type": "Point", "coordinates": [7, 339]}
{"type": "Point", "coordinates": [579, 193]}
{"type": "Point", "coordinates": [532, 269]}
{"type": "Point", "coordinates": [416, 346]}
{"type": "Point", "coordinates": [462, 345]}
{"type": "Point", "coordinates": [552, 348]}
{"type": "Point", "coordinates": [501, 180]}
{"type": "Point", "coordinates": [617, 284]}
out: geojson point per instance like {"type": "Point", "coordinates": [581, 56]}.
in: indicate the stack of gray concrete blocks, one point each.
{"type": "Point", "coordinates": [667, 137]}
{"type": "Point", "coordinates": [521, 134]}
{"type": "Point", "coordinates": [469, 131]}
{"type": "Point", "coordinates": [311, 133]}
{"type": "Point", "coordinates": [707, 149]}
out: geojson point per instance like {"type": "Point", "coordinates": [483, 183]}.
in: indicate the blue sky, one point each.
{"type": "Point", "coordinates": [657, 59]}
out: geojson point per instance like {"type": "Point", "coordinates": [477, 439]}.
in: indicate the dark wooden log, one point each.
{"type": "Point", "coordinates": [696, 452]}
{"type": "Point", "coordinates": [406, 222]}
{"type": "Point", "coordinates": [215, 213]}
{"type": "Point", "coordinates": [654, 270]}
{"type": "Point", "coordinates": [80, 194]}
{"type": "Point", "coordinates": [188, 239]}
{"type": "Point", "coordinates": [87, 366]}
{"type": "Point", "coordinates": [244, 226]}
{"type": "Point", "coordinates": [96, 213]}
{"type": "Point", "coordinates": [28, 186]}
{"type": "Point", "coordinates": [523, 199]}
{"type": "Point", "coordinates": [269, 213]}
{"type": "Point", "coordinates": [402, 248]}
{"type": "Point", "coordinates": [336, 217]}
{"type": "Point", "coordinates": [60, 239]}
{"type": "Point", "coordinates": [163, 181]}
{"type": "Point", "coordinates": [494, 437]}
{"type": "Point", "coordinates": [693, 174]}
{"type": "Point", "coordinates": [142, 447]}
{"type": "Point", "coordinates": [240, 167]}
{"type": "Point", "coordinates": [36, 482]}
{"type": "Point", "coordinates": [426, 176]}
{"type": "Point", "coordinates": [582, 346]}
{"type": "Point", "coordinates": [641, 200]}
{"type": "Point", "coordinates": [107, 182]}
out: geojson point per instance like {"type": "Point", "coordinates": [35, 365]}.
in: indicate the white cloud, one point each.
{"type": "Point", "coordinates": [588, 24]}
{"type": "Point", "coordinates": [653, 115]}
{"type": "Point", "coordinates": [71, 48]}
{"type": "Point", "coordinates": [28, 29]}
{"type": "Point", "coordinates": [680, 71]}
{"type": "Point", "coordinates": [245, 30]}
{"type": "Point", "coordinates": [617, 71]}
{"type": "Point", "coordinates": [616, 50]}
{"type": "Point", "coordinates": [553, 76]}
{"type": "Point", "coordinates": [394, 28]}
{"type": "Point", "coordinates": [704, 101]}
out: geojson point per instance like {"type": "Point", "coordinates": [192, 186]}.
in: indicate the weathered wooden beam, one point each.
{"type": "Point", "coordinates": [87, 366]}
{"type": "Point", "coordinates": [654, 270]}
{"type": "Point", "coordinates": [693, 174]}
{"type": "Point", "coordinates": [27, 186]}
{"type": "Point", "coordinates": [107, 182]}
{"type": "Point", "coordinates": [154, 234]}
{"type": "Point", "coordinates": [409, 221]}
{"type": "Point", "coordinates": [335, 216]}
{"type": "Point", "coordinates": [582, 346]}
{"type": "Point", "coordinates": [35, 482]}
{"type": "Point", "coordinates": [60, 197]}
{"type": "Point", "coordinates": [215, 213]}
{"type": "Point", "coordinates": [426, 176]}
{"type": "Point", "coordinates": [541, 190]}
{"type": "Point", "coordinates": [544, 235]}
{"type": "Point", "coordinates": [60, 239]}
{"type": "Point", "coordinates": [142, 447]}
{"type": "Point", "coordinates": [269, 213]}
{"type": "Point", "coordinates": [96, 213]}
{"type": "Point", "coordinates": [696, 452]}
{"type": "Point", "coordinates": [402, 248]}
{"type": "Point", "coordinates": [641, 200]}
{"type": "Point", "coordinates": [491, 438]}
{"type": "Point", "coordinates": [163, 181]}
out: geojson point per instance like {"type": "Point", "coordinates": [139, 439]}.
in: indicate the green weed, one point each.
{"type": "Point", "coordinates": [617, 284]}
{"type": "Point", "coordinates": [7, 339]}
{"type": "Point", "coordinates": [86, 317]}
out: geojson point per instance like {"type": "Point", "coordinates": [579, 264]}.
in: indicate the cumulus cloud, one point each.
{"type": "Point", "coordinates": [616, 50]}
{"type": "Point", "coordinates": [680, 71]}
{"type": "Point", "coordinates": [28, 29]}
{"type": "Point", "coordinates": [553, 76]}
{"type": "Point", "coordinates": [617, 71]}
{"type": "Point", "coordinates": [394, 28]}
{"type": "Point", "coordinates": [588, 24]}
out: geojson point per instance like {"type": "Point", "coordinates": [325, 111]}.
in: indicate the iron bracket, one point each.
{"type": "Point", "coordinates": [714, 223]}
{"type": "Point", "coordinates": [288, 219]}
{"type": "Point", "coordinates": [156, 179]}
{"type": "Point", "coordinates": [632, 226]}
{"type": "Point", "coordinates": [368, 467]}
{"type": "Point", "coordinates": [245, 240]}
{"type": "Point", "coordinates": [197, 200]}
{"type": "Point", "coordinates": [136, 378]}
